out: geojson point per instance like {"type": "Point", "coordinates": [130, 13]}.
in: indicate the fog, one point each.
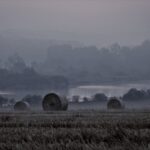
{"type": "Point", "coordinates": [92, 22]}
{"type": "Point", "coordinates": [65, 45]}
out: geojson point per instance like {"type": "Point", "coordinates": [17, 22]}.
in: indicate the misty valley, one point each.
{"type": "Point", "coordinates": [72, 70]}
{"type": "Point", "coordinates": [74, 74]}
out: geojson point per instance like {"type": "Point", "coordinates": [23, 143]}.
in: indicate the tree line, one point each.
{"type": "Point", "coordinates": [18, 76]}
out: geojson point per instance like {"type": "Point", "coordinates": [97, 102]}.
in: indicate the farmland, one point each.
{"type": "Point", "coordinates": [75, 130]}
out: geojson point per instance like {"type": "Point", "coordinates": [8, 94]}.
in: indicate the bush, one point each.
{"type": "Point", "coordinates": [100, 97]}
{"type": "Point", "coordinates": [134, 94]}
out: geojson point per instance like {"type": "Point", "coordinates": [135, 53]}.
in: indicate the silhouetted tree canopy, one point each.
{"type": "Point", "coordinates": [134, 94]}
{"type": "Point", "coordinates": [29, 79]}
{"type": "Point", "coordinates": [85, 65]}
{"type": "Point", "coordinates": [80, 65]}
{"type": "Point", "coordinates": [100, 97]}
{"type": "Point", "coordinates": [3, 100]}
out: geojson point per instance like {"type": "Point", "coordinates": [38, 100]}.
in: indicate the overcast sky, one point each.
{"type": "Point", "coordinates": [96, 22]}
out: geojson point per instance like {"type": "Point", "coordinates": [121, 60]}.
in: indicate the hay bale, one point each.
{"type": "Point", "coordinates": [54, 102]}
{"type": "Point", "coordinates": [21, 106]}
{"type": "Point", "coordinates": [115, 103]}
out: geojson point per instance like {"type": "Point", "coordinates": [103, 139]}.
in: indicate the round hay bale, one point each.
{"type": "Point", "coordinates": [115, 103]}
{"type": "Point", "coordinates": [22, 106]}
{"type": "Point", "coordinates": [53, 102]}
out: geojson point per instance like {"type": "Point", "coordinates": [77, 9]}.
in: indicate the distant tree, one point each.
{"type": "Point", "coordinates": [86, 99]}
{"type": "Point", "coordinates": [134, 94]}
{"type": "Point", "coordinates": [99, 97]}
{"type": "Point", "coordinates": [75, 98]}
{"type": "Point", "coordinates": [15, 63]}
{"type": "Point", "coordinates": [3, 100]}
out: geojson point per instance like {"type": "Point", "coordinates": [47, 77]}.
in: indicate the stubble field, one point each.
{"type": "Point", "coordinates": [75, 130]}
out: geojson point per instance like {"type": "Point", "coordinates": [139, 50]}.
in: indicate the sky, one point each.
{"type": "Point", "coordinates": [92, 22]}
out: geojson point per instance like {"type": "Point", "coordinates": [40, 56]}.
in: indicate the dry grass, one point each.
{"type": "Point", "coordinates": [75, 131]}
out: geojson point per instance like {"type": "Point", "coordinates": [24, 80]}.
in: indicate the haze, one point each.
{"type": "Point", "coordinates": [91, 22]}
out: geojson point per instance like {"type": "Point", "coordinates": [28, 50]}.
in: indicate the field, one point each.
{"type": "Point", "coordinates": [75, 130]}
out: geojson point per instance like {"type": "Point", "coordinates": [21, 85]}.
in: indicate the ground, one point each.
{"type": "Point", "coordinates": [75, 130]}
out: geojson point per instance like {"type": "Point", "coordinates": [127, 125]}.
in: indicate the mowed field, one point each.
{"type": "Point", "coordinates": [75, 130]}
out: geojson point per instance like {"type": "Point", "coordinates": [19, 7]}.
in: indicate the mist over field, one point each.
{"type": "Point", "coordinates": [75, 74]}
{"type": "Point", "coordinates": [62, 45]}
